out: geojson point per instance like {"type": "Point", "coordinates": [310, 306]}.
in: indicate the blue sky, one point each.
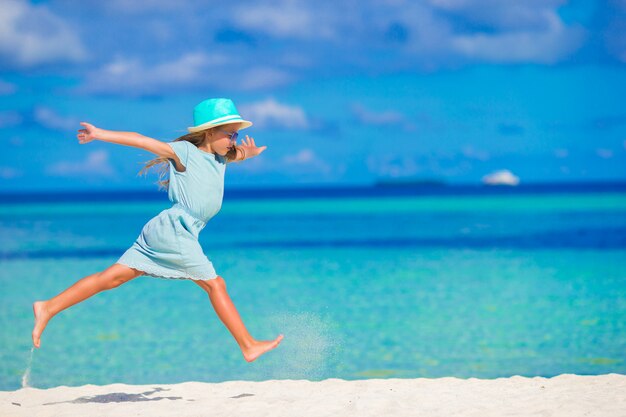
{"type": "Point", "coordinates": [340, 92]}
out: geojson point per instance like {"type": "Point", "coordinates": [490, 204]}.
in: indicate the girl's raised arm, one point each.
{"type": "Point", "coordinates": [90, 132]}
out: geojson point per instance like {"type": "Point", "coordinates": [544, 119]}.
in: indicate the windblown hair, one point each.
{"type": "Point", "coordinates": [197, 139]}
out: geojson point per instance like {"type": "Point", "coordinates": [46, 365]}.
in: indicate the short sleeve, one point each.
{"type": "Point", "coordinates": [181, 149]}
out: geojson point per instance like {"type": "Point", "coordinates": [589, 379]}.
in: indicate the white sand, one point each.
{"type": "Point", "coordinates": [563, 395]}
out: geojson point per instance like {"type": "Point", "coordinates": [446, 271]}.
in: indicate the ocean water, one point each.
{"type": "Point", "coordinates": [363, 284]}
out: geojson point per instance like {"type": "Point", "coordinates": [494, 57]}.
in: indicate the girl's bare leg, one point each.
{"type": "Point", "coordinates": [225, 309]}
{"type": "Point", "coordinates": [112, 277]}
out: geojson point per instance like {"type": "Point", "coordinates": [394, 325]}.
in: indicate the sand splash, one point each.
{"type": "Point", "coordinates": [310, 345]}
{"type": "Point", "coordinates": [26, 376]}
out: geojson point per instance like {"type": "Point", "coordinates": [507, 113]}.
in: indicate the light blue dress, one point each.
{"type": "Point", "coordinates": [168, 245]}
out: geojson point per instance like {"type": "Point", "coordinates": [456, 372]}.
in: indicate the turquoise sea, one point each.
{"type": "Point", "coordinates": [363, 284]}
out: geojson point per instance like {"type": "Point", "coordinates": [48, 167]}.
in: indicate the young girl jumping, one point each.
{"type": "Point", "coordinates": [168, 245]}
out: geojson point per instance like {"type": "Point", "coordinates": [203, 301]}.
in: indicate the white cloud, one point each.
{"type": "Point", "coordinates": [541, 46]}
{"type": "Point", "coordinates": [604, 153]}
{"type": "Point", "coordinates": [31, 35]}
{"type": "Point", "coordinates": [288, 19]}
{"type": "Point", "coordinates": [305, 156]}
{"type": "Point", "coordinates": [303, 162]}
{"type": "Point", "coordinates": [136, 7]}
{"type": "Point", "coordinates": [259, 78]}
{"type": "Point", "coordinates": [97, 163]}
{"type": "Point", "coordinates": [501, 177]}
{"type": "Point", "coordinates": [370, 117]}
{"type": "Point", "coordinates": [495, 31]}
{"type": "Point", "coordinates": [50, 119]}
{"type": "Point", "coordinates": [190, 71]}
{"type": "Point", "coordinates": [511, 16]}
{"type": "Point", "coordinates": [381, 118]}
{"type": "Point", "coordinates": [271, 113]}
{"type": "Point", "coordinates": [307, 160]}
{"type": "Point", "coordinates": [44, 116]}
{"type": "Point", "coordinates": [133, 76]}
{"type": "Point", "coordinates": [288, 40]}
{"type": "Point", "coordinates": [163, 49]}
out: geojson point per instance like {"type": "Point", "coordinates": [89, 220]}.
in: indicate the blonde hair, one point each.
{"type": "Point", "coordinates": [197, 139]}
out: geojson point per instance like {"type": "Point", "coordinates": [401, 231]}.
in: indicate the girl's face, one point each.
{"type": "Point", "coordinates": [221, 141]}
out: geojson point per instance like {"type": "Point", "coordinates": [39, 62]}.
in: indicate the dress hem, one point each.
{"type": "Point", "coordinates": [147, 270]}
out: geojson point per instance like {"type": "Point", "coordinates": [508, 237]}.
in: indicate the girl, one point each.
{"type": "Point", "coordinates": [168, 245]}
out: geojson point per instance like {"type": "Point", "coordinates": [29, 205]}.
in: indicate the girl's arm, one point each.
{"type": "Point", "coordinates": [133, 139]}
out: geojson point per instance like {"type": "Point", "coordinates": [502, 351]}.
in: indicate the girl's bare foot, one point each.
{"type": "Point", "coordinates": [260, 347]}
{"type": "Point", "coordinates": [41, 320]}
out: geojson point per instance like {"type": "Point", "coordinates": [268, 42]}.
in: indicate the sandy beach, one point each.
{"type": "Point", "coordinates": [563, 395]}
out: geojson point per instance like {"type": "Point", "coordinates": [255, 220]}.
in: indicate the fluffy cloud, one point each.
{"type": "Point", "coordinates": [188, 72]}
{"type": "Point", "coordinates": [495, 14]}
{"type": "Point", "coordinates": [546, 46]}
{"type": "Point", "coordinates": [97, 163]}
{"type": "Point", "coordinates": [31, 35]}
{"type": "Point", "coordinates": [258, 78]}
{"type": "Point", "coordinates": [289, 19]}
{"type": "Point", "coordinates": [132, 76]}
{"type": "Point", "coordinates": [430, 34]}
{"type": "Point", "coordinates": [503, 32]}
{"type": "Point", "coordinates": [270, 113]}
{"type": "Point", "coordinates": [50, 119]}
{"type": "Point", "coordinates": [501, 177]}
{"type": "Point", "coordinates": [377, 118]}
{"type": "Point", "coordinates": [139, 8]}
{"type": "Point", "coordinates": [301, 164]}
{"type": "Point", "coordinates": [307, 160]}
{"type": "Point", "coordinates": [40, 116]}
{"type": "Point", "coordinates": [158, 48]}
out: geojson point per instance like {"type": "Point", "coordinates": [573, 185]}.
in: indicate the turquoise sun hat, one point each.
{"type": "Point", "coordinates": [215, 112]}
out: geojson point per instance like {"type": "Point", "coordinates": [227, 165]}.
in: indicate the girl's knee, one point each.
{"type": "Point", "coordinates": [113, 281]}
{"type": "Point", "coordinates": [216, 283]}
{"type": "Point", "coordinates": [117, 275]}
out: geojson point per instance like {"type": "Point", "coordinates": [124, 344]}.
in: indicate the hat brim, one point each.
{"type": "Point", "coordinates": [244, 124]}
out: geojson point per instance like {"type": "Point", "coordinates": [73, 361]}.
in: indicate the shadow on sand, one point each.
{"type": "Point", "coordinates": [117, 397]}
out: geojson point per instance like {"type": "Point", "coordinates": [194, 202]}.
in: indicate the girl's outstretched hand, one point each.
{"type": "Point", "coordinates": [250, 148]}
{"type": "Point", "coordinates": [87, 134]}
